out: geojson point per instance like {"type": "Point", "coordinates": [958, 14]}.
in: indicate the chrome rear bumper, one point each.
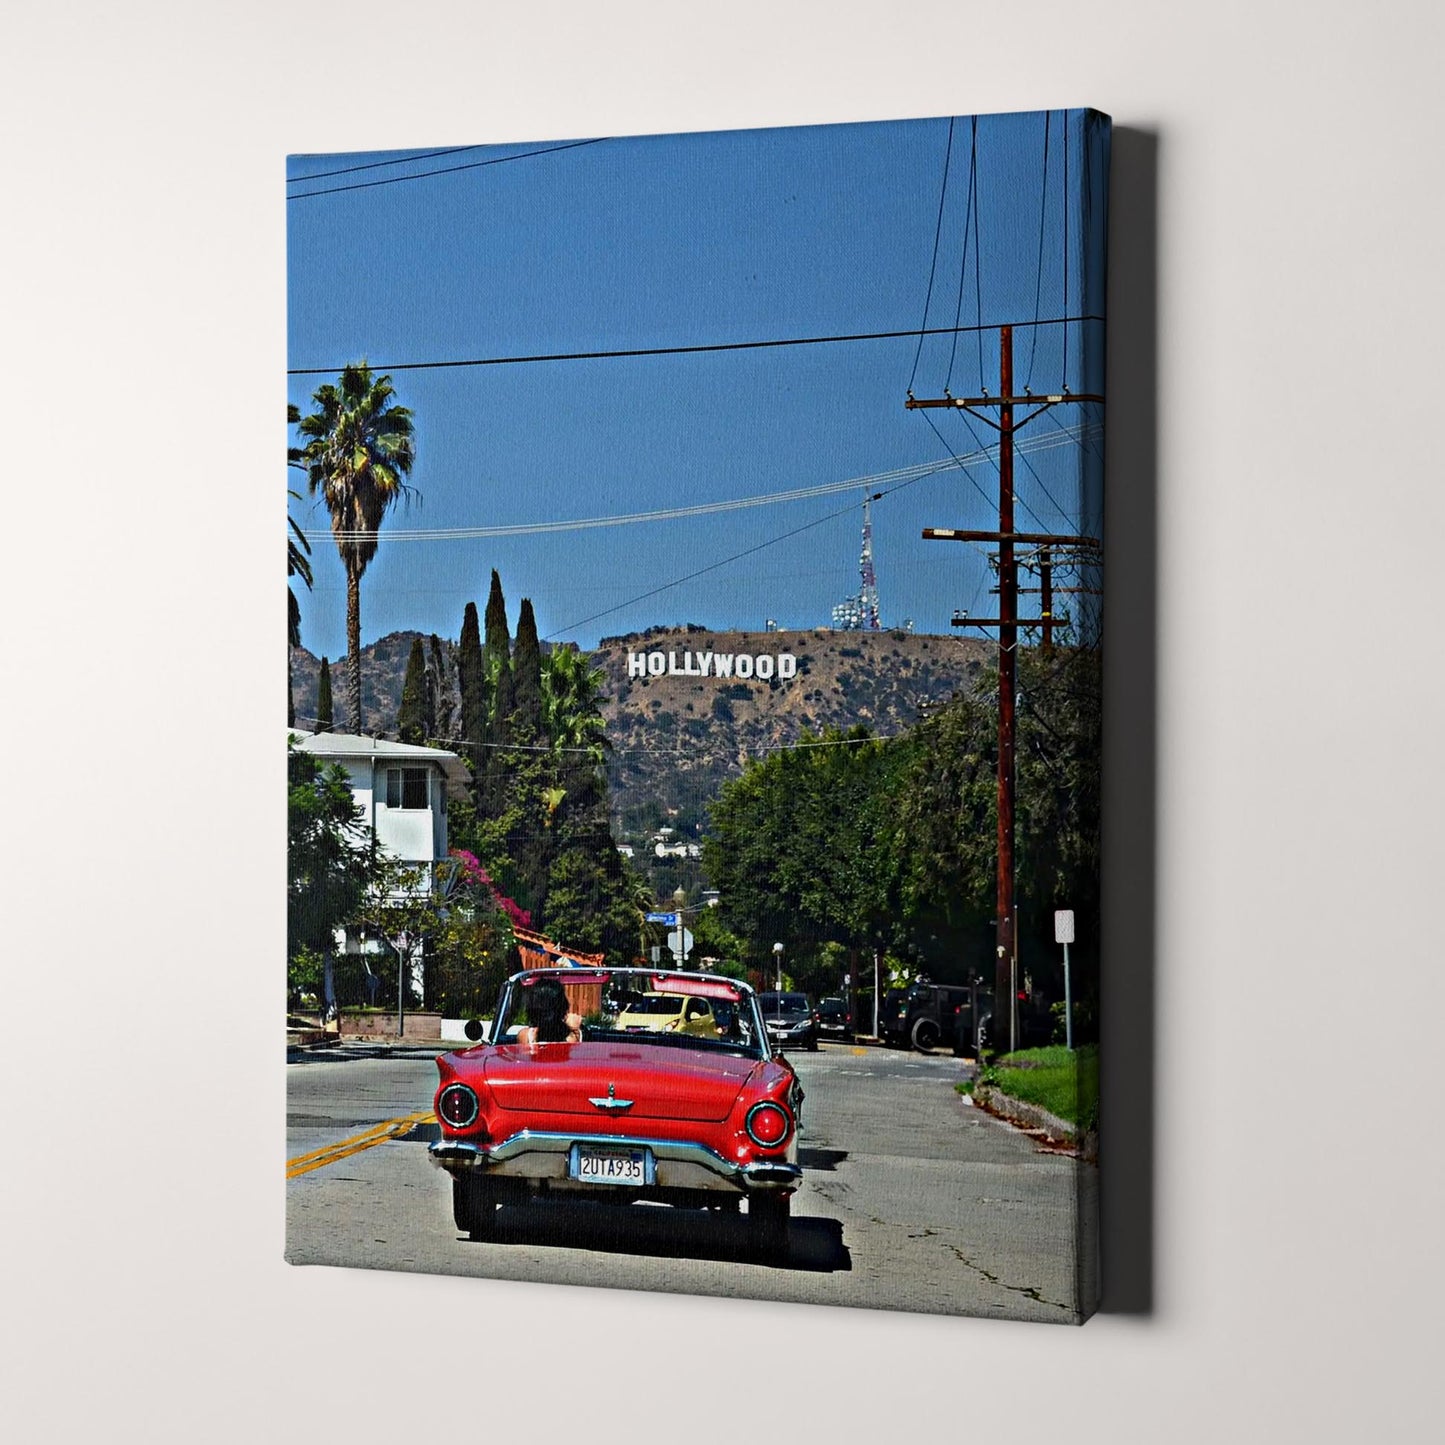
{"type": "Point", "coordinates": [674, 1163]}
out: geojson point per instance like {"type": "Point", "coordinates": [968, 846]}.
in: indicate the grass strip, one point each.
{"type": "Point", "coordinates": [1064, 1083]}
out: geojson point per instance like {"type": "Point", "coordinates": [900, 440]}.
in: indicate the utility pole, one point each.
{"type": "Point", "coordinates": [1008, 623]}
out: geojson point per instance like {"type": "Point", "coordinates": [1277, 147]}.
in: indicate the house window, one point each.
{"type": "Point", "coordinates": [406, 788]}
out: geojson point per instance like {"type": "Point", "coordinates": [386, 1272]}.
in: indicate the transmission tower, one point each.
{"type": "Point", "coordinates": [860, 613]}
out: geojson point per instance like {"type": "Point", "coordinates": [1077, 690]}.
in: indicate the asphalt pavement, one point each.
{"type": "Point", "coordinates": [912, 1199]}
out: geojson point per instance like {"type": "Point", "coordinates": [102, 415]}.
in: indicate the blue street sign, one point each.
{"type": "Point", "coordinates": [668, 918]}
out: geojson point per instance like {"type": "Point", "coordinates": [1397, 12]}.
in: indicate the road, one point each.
{"type": "Point", "coordinates": [912, 1199]}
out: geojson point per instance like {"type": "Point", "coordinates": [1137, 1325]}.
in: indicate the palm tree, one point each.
{"type": "Point", "coordinates": [298, 549]}
{"type": "Point", "coordinates": [572, 703]}
{"type": "Point", "coordinates": [298, 564]}
{"type": "Point", "coordinates": [358, 453]}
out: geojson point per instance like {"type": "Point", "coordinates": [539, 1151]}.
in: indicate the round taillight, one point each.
{"type": "Point", "coordinates": [456, 1106]}
{"type": "Point", "coordinates": [768, 1124]}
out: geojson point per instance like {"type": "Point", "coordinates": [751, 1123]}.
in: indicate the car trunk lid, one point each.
{"type": "Point", "coordinates": [662, 1081]}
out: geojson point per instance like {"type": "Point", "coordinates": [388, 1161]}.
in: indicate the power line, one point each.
{"type": "Point", "coordinates": [447, 170]}
{"type": "Point", "coordinates": [933, 264]}
{"type": "Point", "coordinates": [662, 749]}
{"type": "Point", "coordinates": [1066, 248]}
{"type": "Point", "coordinates": [699, 509]}
{"type": "Point", "coordinates": [963, 264]}
{"type": "Point", "coordinates": [689, 350]}
{"type": "Point", "coordinates": [375, 165]}
{"type": "Point", "coordinates": [907, 474]}
{"type": "Point", "coordinates": [1039, 271]}
{"type": "Point", "coordinates": [978, 250]}
{"type": "Point", "coordinates": [964, 464]}
{"type": "Point", "coordinates": [703, 571]}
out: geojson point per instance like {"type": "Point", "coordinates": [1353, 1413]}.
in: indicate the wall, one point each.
{"type": "Point", "coordinates": [1275, 513]}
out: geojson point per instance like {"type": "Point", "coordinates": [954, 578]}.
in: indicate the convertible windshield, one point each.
{"type": "Point", "coordinates": [700, 1011]}
{"type": "Point", "coordinates": [658, 1003]}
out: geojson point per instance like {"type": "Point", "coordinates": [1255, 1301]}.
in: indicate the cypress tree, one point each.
{"type": "Point", "coordinates": [527, 677]}
{"type": "Point", "coordinates": [499, 641]}
{"type": "Point", "coordinates": [497, 665]}
{"type": "Point", "coordinates": [504, 701]}
{"type": "Point", "coordinates": [411, 716]}
{"type": "Point", "coordinates": [472, 681]}
{"type": "Point", "coordinates": [493, 767]}
{"type": "Point", "coordinates": [323, 698]}
{"type": "Point", "coordinates": [438, 693]}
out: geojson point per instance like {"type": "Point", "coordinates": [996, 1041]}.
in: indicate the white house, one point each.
{"type": "Point", "coordinates": [402, 790]}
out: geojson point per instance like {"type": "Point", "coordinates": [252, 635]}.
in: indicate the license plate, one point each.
{"type": "Point", "coordinates": [610, 1166]}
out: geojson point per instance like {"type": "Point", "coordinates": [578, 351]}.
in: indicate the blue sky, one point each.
{"type": "Point", "coordinates": [680, 241]}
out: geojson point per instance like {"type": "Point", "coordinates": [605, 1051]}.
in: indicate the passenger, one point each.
{"type": "Point", "coordinates": [551, 1022]}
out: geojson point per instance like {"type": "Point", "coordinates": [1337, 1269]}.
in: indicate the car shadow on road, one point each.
{"type": "Point", "coordinates": [814, 1245]}
{"type": "Point", "coordinates": [349, 1052]}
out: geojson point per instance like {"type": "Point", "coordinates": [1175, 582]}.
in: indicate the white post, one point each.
{"type": "Point", "coordinates": [1068, 1004]}
{"type": "Point", "coordinates": [1064, 933]}
{"type": "Point", "coordinates": [877, 986]}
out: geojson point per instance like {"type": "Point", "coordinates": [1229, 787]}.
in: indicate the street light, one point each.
{"type": "Point", "coordinates": [778, 962]}
{"type": "Point", "coordinates": [679, 901]}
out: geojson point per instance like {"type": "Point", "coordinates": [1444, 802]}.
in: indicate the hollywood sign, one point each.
{"type": "Point", "coordinates": [763, 665]}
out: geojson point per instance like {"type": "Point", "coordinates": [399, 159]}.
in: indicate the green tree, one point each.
{"type": "Point", "coordinates": [492, 766]}
{"type": "Point", "coordinates": [398, 906]}
{"type": "Point", "coordinates": [946, 827]}
{"type": "Point", "coordinates": [324, 722]}
{"type": "Point", "coordinates": [572, 703]}
{"type": "Point", "coordinates": [712, 941]}
{"type": "Point", "coordinates": [328, 858]}
{"type": "Point", "coordinates": [473, 949]}
{"type": "Point", "coordinates": [946, 822]}
{"type": "Point", "coordinates": [499, 639]}
{"type": "Point", "coordinates": [472, 684]}
{"type": "Point", "coordinates": [438, 693]}
{"type": "Point", "coordinates": [298, 547]}
{"type": "Point", "coordinates": [298, 564]}
{"type": "Point", "coordinates": [801, 848]}
{"type": "Point", "coordinates": [527, 677]}
{"type": "Point", "coordinates": [411, 715]}
{"type": "Point", "coordinates": [358, 452]}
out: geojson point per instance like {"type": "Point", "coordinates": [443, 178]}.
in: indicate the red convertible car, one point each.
{"type": "Point", "coordinates": [562, 1102]}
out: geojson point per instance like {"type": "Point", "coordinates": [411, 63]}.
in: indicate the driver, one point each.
{"type": "Point", "coordinates": [551, 1021]}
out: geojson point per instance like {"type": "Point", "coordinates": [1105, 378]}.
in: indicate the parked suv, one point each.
{"type": "Point", "coordinates": [790, 1020]}
{"type": "Point", "coordinates": [926, 1018]}
{"type": "Point", "coordinates": [892, 1011]}
{"type": "Point", "coordinates": [1035, 1025]}
{"type": "Point", "coordinates": [834, 1020]}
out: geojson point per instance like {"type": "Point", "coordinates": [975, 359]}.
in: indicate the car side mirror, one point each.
{"type": "Point", "coordinates": [473, 1030]}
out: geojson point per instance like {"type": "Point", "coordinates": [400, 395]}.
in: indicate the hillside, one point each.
{"type": "Point", "coordinates": [678, 735]}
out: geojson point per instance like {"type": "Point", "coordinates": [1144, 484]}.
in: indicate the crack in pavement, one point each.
{"type": "Point", "coordinates": [1029, 1291]}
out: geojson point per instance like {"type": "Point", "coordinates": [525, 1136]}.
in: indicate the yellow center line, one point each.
{"type": "Point", "coordinates": [345, 1148]}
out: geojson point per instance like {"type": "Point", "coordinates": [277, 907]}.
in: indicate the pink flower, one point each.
{"type": "Point", "coordinates": [476, 874]}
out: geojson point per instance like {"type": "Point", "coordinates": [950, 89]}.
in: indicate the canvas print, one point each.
{"type": "Point", "coordinates": [695, 562]}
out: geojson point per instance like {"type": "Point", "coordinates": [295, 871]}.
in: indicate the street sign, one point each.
{"type": "Point", "coordinates": [668, 918]}
{"type": "Point", "coordinates": [1064, 925]}
{"type": "Point", "coordinates": [680, 949]}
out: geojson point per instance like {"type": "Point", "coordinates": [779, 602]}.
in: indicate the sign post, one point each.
{"type": "Point", "coordinates": [402, 944]}
{"type": "Point", "coordinates": [1064, 933]}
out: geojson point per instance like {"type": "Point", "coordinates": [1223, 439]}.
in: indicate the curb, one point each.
{"type": "Point", "coordinates": [1035, 1119]}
